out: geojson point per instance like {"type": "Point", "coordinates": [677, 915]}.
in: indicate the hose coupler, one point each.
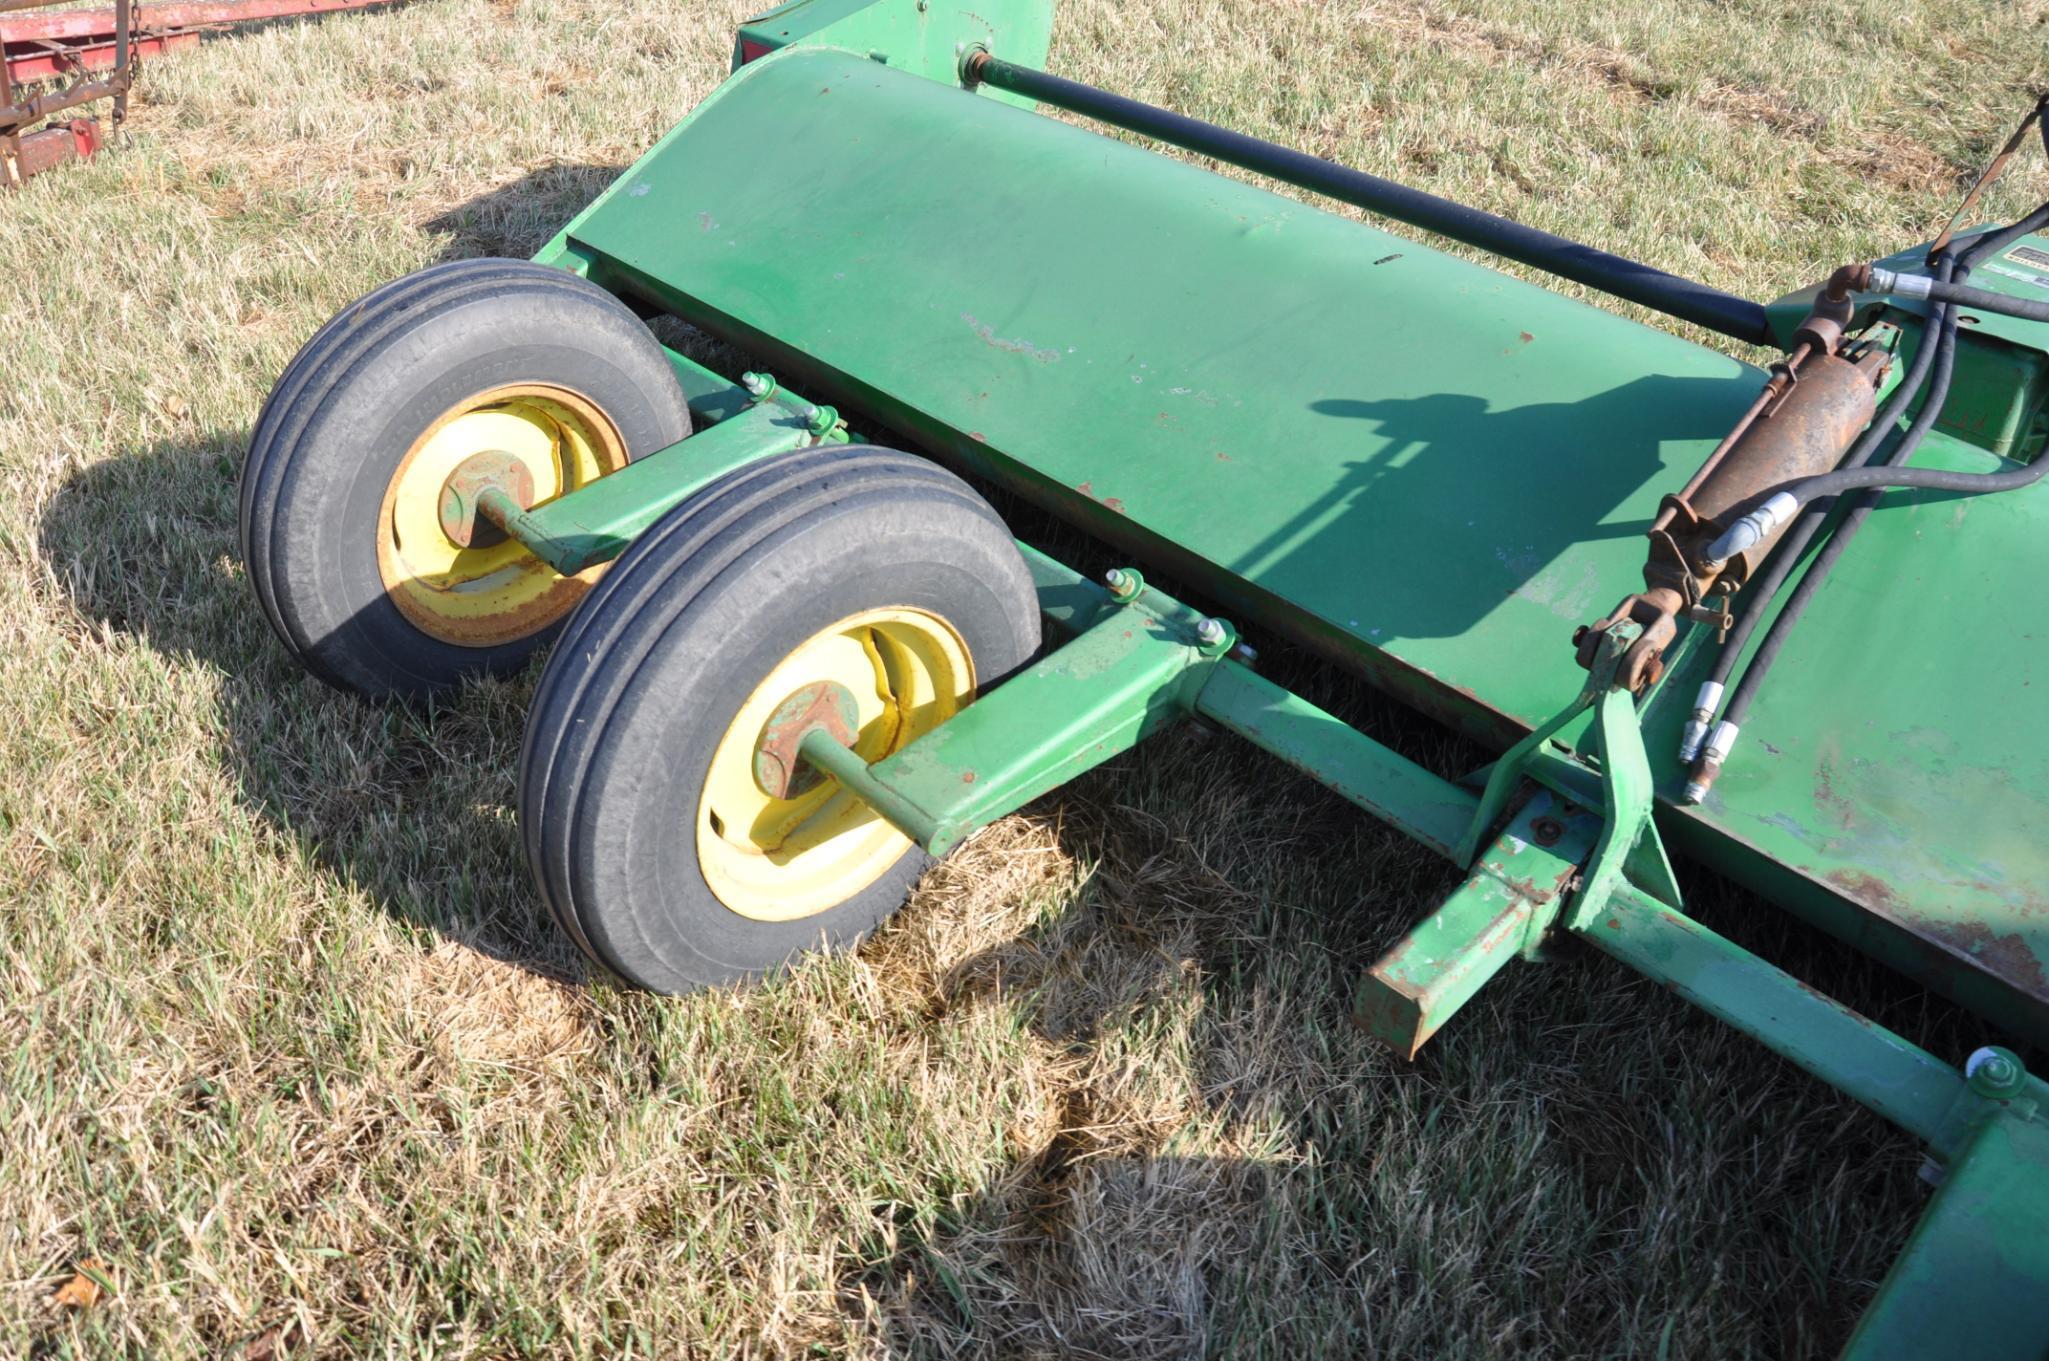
{"type": "Point", "coordinates": [1719, 744]}
{"type": "Point", "coordinates": [1833, 309]}
{"type": "Point", "coordinates": [1752, 528]}
{"type": "Point", "coordinates": [1704, 705]}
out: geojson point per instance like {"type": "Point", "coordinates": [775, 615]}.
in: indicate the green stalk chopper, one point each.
{"type": "Point", "coordinates": [790, 665]}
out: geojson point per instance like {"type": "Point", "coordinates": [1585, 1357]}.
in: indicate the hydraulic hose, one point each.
{"type": "Point", "coordinates": [1721, 740]}
{"type": "Point", "coordinates": [1917, 286]}
{"type": "Point", "coordinates": [1784, 557]}
{"type": "Point", "coordinates": [1991, 243]}
{"type": "Point", "coordinates": [1783, 505]}
{"type": "Point", "coordinates": [1860, 509]}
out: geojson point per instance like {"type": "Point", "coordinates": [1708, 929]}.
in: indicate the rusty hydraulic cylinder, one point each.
{"type": "Point", "coordinates": [1806, 418]}
{"type": "Point", "coordinates": [1805, 435]}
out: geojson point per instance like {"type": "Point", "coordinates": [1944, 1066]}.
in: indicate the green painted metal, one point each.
{"type": "Point", "coordinates": [713, 397]}
{"type": "Point", "coordinates": [1426, 470]}
{"type": "Point", "coordinates": [1879, 785]}
{"type": "Point", "coordinates": [1136, 664]}
{"type": "Point", "coordinates": [898, 807]}
{"type": "Point", "coordinates": [1507, 774]}
{"type": "Point", "coordinates": [1900, 1081]}
{"type": "Point", "coordinates": [1427, 807]}
{"type": "Point", "coordinates": [1974, 1279]}
{"type": "Point", "coordinates": [924, 37]}
{"type": "Point", "coordinates": [2011, 348]}
{"type": "Point", "coordinates": [1515, 893]}
{"type": "Point", "coordinates": [1629, 844]}
{"type": "Point", "coordinates": [596, 524]}
{"type": "Point", "coordinates": [1999, 397]}
{"type": "Point", "coordinates": [1022, 328]}
{"type": "Point", "coordinates": [1134, 669]}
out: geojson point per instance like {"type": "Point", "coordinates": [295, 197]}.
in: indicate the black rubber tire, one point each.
{"type": "Point", "coordinates": [663, 652]}
{"type": "Point", "coordinates": [355, 398]}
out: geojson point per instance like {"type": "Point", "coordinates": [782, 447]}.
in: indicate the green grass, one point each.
{"type": "Point", "coordinates": [290, 1047]}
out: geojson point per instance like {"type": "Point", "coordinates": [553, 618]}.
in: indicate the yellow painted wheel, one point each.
{"type": "Point", "coordinates": [486, 595]}
{"type": "Point", "coordinates": [501, 367]}
{"type": "Point", "coordinates": [671, 825]}
{"type": "Point", "coordinates": [775, 859]}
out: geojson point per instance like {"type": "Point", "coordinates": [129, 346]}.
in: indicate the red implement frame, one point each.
{"type": "Point", "coordinates": [80, 44]}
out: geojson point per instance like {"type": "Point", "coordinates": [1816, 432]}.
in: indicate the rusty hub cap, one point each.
{"type": "Point", "coordinates": [495, 468]}
{"type": "Point", "coordinates": [778, 769]}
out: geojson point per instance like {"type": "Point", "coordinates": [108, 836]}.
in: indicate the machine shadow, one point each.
{"type": "Point", "coordinates": [412, 809]}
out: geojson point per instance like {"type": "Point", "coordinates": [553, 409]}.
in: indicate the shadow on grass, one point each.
{"type": "Point", "coordinates": [517, 219]}
{"type": "Point", "coordinates": [412, 809]}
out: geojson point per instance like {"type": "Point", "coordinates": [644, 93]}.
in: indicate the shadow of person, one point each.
{"type": "Point", "coordinates": [1451, 506]}
{"type": "Point", "coordinates": [411, 809]}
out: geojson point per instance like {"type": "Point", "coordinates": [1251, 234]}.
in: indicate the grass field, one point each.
{"type": "Point", "coordinates": [291, 1050]}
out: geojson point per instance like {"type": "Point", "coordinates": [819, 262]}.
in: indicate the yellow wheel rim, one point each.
{"type": "Point", "coordinates": [485, 596]}
{"type": "Point", "coordinates": [783, 859]}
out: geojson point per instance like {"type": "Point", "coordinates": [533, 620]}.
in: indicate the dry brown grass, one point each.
{"type": "Point", "coordinates": [295, 1054]}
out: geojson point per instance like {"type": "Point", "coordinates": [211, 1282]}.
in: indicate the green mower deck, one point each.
{"type": "Point", "coordinates": [1430, 468]}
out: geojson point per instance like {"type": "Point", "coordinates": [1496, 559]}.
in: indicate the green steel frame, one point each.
{"type": "Point", "coordinates": [1561, 838]}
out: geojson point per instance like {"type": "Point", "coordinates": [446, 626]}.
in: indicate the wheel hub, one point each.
{"type": "Point", "coordinates": [459, 493]}
{"type": "Point", "coordinates": [822, 705]}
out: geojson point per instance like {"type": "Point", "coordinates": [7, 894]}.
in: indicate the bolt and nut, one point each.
{"type": "Point", "coordinates": [1994, 1072]}
{"type": "Point", "coordinates": [1124, 584]}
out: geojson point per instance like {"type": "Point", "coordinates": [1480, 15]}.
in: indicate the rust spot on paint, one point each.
{"type": "Point", "coordinates": [978, 437]}
{"type": "Point", "coordinates": [967, 777]}
{"type": "Point", "coordinates": [1614, 924]}
{"type": "Point", "coordinates": [1818, 995]}
{"type": "Point", "coordinates": [1869, 890]}
{"type": "Point", "coordinates": [2008, 956]}
{"type": "Point", "coordinates": [1827, 800]}
{"type": "Point", "coordinates": [1223, 457]}
{"type": "Point", "coordinates": [1526, 336]}
{"type": "Point", "coordinates": [1088, 489]}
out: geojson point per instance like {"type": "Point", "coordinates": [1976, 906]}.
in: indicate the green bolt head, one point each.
{"type": "Point", "coordinates": [1994, 1072]}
